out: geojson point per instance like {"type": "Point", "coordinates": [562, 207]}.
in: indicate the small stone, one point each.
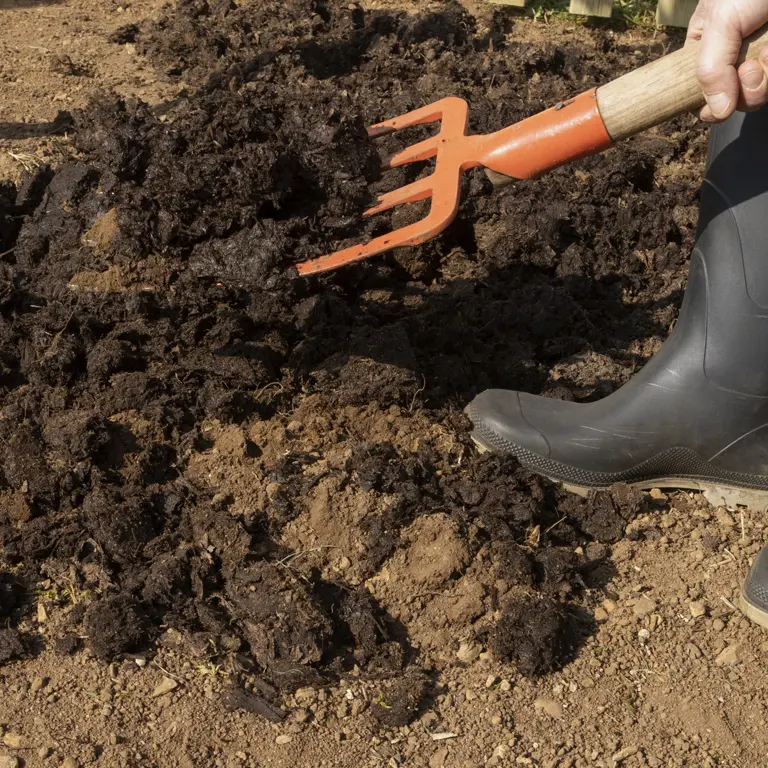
{"type": "Point", "coordinates": [437, 760]}
{"type": "Point", "coordinates": [13, 740]}
{"type": "Point", "coordinates": [505, 686]}
{"type": "Point", "coordinates": [643, 607]}
{"type": "Point", "coordinates": [345, 563]}
{"type": "Point", "coordinates": [550, 707]}
{"type": "Point", "coordinates": [166, 685]}
{"type": "Point", "coordinates": [42, 614]}
{"type": "Point", "coordinates": [112, 739]}
{"type": "Point", "coordinates": [468, 652]}
{"type": "Point", "coordinates": [496, 720]}
{"type": "Point", "coordinates": [723, 517]}
{"type": "Point", "coordinates": [657, 495]}
{"type": "Point", "coordinates": [601, 615]}
{"type": "Point", "coordinates": [490, 681]}
{"type": "Point", "coordinates": [623, 754]}
{"type": "Point", "coordinates": [730, 655]}
{"type": "Point", "coordinates": [609, 606]}
{"type": "Point", "coordinates": [697, 609]}
{"type": "Point", "coordinates": [305, 694]}
{"type": "Point", "coordinates": [8, 761]}
{"type": "Point", "coordinates": [44, 752]}
{"type": "Point", "coordinates": [70, 762]}
{"type": "Point", "coordinates": [644, 635]}
{"type": "Point", "coordinates": [38, 684]}
{"type": "Point", "coordinates": [284, 738]}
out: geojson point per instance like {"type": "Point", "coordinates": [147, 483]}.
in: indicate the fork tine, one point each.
{"type": "Point", "coordinates": [410, 193]}
{"type": "Point", "coordinates": [424, 150]}
{"type": "Point", "coordinates": [413, 234]}
{"type": "Point", "coordinates": [430, 113]}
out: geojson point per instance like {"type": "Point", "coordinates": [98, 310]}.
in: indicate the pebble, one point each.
{"type": "Point", "coordinates": [623, 754]}
{"type": "Point", "coordinates": [505, 686]}
{"type": "Point", "coordinates": [437, 760]}
{"type": "Point", "coordinates": [13, 740]}
{"type": "Point", "coordinates": [730, 655]}
{"type": "Point", "coordinates": [609, 606]}
{"type": "Point", "coordinates": [166, 685]}
{"type": "Point", "coordinates": [44, 752]}
{"type": "Point", "coordinates": [643, 606]}
{"type": "Point", "coordinates": [38, 684]}
{"type": "Point", "coordinates": [490, 681]}
{"type": "Point", "coordinates": [468, 652]}
{"type": "Point", "coordinates": [550, 706]}
{"type": "Point", "coordinates": [697, 609]}
{"type": "Point", "coordinates": [724, 518]}
{"type": "Point", "coordinates": [718, 625]}
{"type": "Point", "coordinates": [8, 761]}
{"type": "Point", "coordinates": [70, 762]}
{"type": "Point", "coordinates": [305, 694]}
{"type": "Point", "coordinates": [601, 615]}
{"type": "Point", "coordinates": [657, 495]}
{"type": "Point", "coordinates": [284, 738]}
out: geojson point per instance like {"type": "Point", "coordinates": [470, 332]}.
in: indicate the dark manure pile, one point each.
{"type": "Point", "coordinates": [147, 302]}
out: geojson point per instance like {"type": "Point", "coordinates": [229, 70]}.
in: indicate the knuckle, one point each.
{"type": "Point", "coordinates": [708, 72]}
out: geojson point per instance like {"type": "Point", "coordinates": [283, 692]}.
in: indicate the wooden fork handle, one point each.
{"type": "Point", "coordinates": [660, 90]}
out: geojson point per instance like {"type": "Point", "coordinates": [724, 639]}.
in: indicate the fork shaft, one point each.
{"type": "Point", "coordinates": [527, 149]}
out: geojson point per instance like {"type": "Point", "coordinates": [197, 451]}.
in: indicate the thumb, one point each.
{"type": "Point", "coordinates": [716, 68]}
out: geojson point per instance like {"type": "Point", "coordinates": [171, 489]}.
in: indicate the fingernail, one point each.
{"type": "Point", "coordinates": [719, 103]}
{"type": "Point", "coordinates": [753, 80]}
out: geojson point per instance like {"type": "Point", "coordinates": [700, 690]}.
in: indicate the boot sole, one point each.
{"type": "Point", "coordinates": [752, 612]}
{"type": "Point", "coordinates": [717, 493]}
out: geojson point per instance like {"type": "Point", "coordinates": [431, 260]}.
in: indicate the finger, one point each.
{"type": "Point", "coordinates": [754, 86]}
{"type": "Point", "coordinates": [696, 24]}
{"type": "Point", "coordinates": [716, 70]}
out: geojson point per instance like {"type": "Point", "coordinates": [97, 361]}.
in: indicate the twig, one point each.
{"type": "Point", "coordinates": [294, 555]}
{"type": "Point", "coordinates": [418, 392]}
{"type": "Point", "coordinates": [552, 527]}
{"type": "Point", "coordinates": [728, 602]}
{"type": "Point", "coordinates": [168, 674]}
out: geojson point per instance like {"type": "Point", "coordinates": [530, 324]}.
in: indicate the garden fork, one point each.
{"type": "Point", "coordinates": [585, 125]}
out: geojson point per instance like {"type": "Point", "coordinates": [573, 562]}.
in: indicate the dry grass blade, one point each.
{"type": "Point", "coordinates": [30, 163]}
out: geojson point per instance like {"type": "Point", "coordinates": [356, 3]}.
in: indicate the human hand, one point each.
{"type": "Point", "coordinates": [722, 25]}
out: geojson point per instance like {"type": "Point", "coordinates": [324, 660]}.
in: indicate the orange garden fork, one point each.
{"type": "Point", "coordinates": [585, 125]}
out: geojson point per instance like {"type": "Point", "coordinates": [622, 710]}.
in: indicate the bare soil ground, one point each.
{"type": "Point", "coordinates": [241, 520]}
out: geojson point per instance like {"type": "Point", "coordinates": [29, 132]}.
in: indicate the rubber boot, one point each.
{"type": "Point", "coordinates": [754, 594]}
{"type": "Point", "coordinates": [696, 416]}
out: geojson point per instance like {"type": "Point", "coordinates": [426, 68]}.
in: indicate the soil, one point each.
{"type": "Point", "coordinates": [261, 488]}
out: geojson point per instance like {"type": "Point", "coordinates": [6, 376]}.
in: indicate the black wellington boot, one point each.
{"type": "Point", "coordinates": [696, 416]}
